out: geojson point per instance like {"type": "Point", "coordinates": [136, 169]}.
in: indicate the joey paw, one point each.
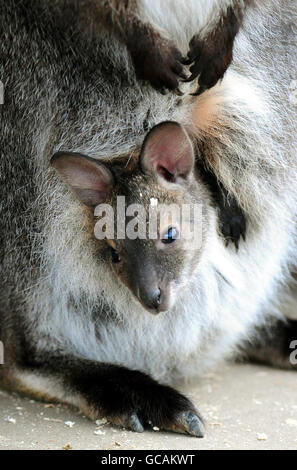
{"type": "Point", "coordinates": [234, 228]}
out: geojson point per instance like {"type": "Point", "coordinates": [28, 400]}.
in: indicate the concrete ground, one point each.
{"type": "Point", "coordinates": [245, 407]}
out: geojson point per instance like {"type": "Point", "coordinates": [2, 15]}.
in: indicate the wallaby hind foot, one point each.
{"type": "Point", "coordinates": [124, 397]}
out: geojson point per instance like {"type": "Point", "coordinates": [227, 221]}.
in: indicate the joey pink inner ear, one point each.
{"type": "Point", "coordinates": [168, 151]}
{"type": "Point", "coordinates": [90, 180]}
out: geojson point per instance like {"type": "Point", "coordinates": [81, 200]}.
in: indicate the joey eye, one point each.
{"type": "Point", "coordinates": [115, 256]}
{"type": "Point", "coordinates": [171, 236]}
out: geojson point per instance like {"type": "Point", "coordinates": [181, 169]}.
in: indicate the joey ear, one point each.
{"type": "Point", "coordinates": [168, 151]}
{"type": "Point", "coordinates": [90, 180]}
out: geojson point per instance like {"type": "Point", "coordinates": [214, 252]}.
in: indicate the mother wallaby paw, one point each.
{"type": "Point", "coordinates": [159, 62]}
{"type": "Point", "coordinates": [137, 402]}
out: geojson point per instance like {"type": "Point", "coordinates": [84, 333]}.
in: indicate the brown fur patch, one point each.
{"type": "Point", "coordinates": [205, 113]}
{"type": "Point", "coordinates": [15, 384]}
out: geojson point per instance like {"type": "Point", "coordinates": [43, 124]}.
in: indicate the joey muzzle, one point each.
{"type": "Point", "coordinates": [153, 298]}
{"type": "Point", "coordinates": [153, 294]}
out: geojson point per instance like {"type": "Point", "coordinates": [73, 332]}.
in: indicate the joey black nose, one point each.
{"type": "Point", "coordinates": [151, 298]}
{"type": "Point", "coordinates": [156, 298]}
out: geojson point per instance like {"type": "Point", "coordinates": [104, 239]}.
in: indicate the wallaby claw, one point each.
{"type": "Point", "coordinates": [133, 423]}
{"type": "Point", "coordinates": [188, 423]}
{"type": "Point", "coordinates": [183, 75]}
{"type": "Point", "coordinates": [178, 92]}
{"type": "Point", "coordinates": [187, 61]}
{"type": "Point", "coordinates": [192, 424]}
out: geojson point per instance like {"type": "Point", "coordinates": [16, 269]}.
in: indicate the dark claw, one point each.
{"type": "Point", "coordinates": [191, 424]}
{"type": "Point", "coordinates": [164, 91]}
{"type": "Point", "coordinates": [133, 423]}
{"type": "Point", "coordinates": [199, 90]}
{"type": "Point", "coordinates": [193, 54]}
{"type": "Point", "coordinates": [186, 61]}
{"type": "Point", "coordinates": [179, 56]}
{"type": "Point", "coordinates": [191, 77]}
{"type": "Point", "coordinates": [177, 68]}
{"type": "Point", "coordinates": [178, 92]}
{"type": "Point", "coordinates": [187, 423]}
{"type": "Point", "coordinates": [183, 75]}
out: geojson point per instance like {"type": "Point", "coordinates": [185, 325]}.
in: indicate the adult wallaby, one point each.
{"type": "Point", "coordinates": [70, 320]}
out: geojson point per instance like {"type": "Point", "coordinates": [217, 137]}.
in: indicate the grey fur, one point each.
{"type": "Point", "coordinates": [67, 88]}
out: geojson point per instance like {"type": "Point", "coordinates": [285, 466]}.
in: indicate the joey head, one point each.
{"type": "Point", "coordinates": [166, 212]}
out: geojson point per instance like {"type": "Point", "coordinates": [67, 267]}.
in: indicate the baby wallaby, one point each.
{"type": "Point", "coordinates": [156, 234]}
